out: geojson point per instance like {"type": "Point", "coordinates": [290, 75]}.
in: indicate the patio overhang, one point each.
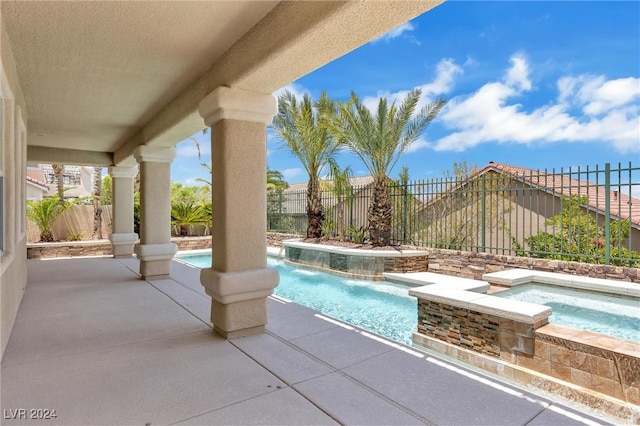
{"type": "Point", "coordinates": [108, 77]}
{"type": "Point", "coordinates": [112, 84]}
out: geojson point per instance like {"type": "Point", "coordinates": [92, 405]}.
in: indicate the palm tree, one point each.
{"type": "Point", "coordinates": [379, 140]}
{"type": "Point", "coordinates": [275, 181]}
{"type": "Point", "coordinates": [340, 186]}
{"type": "Point", "coordinates": [58, 171]}
{"type": "Point", "coordinates": [297, 125]}
{"type": "Point", "coordinates": [44, 213]}
{"type": "Point", "coordinates": [97, 203]}
{"type": "Point", "coordinates": [184, 215]}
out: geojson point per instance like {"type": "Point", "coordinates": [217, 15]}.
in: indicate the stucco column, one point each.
{"type": "Point", "coordinates": [155, 249]}
{"type": "Point", "coordinates": [122, 238]}
{"type": "Point", "coordinates": [239, 281]}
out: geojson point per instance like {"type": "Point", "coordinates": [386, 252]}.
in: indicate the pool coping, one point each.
{"type": "Point", "coordinates": [355, 251]}
{"type": "Point", "coordinates": [516, 277]}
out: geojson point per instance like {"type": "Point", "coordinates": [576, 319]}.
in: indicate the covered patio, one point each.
{"type": "Point", "coordinates": [119, 84]}
{"type": "Point", "coordinates": [100, 346]}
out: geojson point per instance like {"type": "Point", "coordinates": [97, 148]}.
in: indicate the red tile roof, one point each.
{"type": "Point", "coordinates": [37, 182]}
{"type": "Point", "coordinates": [561, 183]}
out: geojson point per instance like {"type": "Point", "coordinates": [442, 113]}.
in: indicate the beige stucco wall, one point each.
{"type": "Point", "coordinates": [13, 258]}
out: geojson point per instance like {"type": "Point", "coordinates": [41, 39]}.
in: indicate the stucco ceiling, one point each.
{"type": "Point", "coordinates": [105, 68]}
{"type": "Point", "coordinates": [109, 76]}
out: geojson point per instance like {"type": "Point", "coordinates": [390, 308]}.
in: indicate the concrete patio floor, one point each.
{"type": "Point", "coordinates": [100, 346]}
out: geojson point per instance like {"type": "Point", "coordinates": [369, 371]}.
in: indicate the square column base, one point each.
{"type": "Point", "coordinates": [155, 260]}
{"type": "Point", "coordinates": [239, 319]}
{"type": "Point", "coordinates": [155, 269]}
{"type": "Point", "coordinates": [122, 244]}
{"type": "Point", "coordinates": [239, 300]}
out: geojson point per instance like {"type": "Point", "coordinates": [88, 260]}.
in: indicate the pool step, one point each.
{"type": "Point", "coordinates": [427, 278]}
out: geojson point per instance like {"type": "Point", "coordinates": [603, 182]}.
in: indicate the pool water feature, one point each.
{"type": "Point", "coordinates": [380, 307]}
{"type": "Point", "coordinates": [616, 316]}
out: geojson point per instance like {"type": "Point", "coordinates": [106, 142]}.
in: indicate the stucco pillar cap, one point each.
{"type": "Point", "coordinates": [151, 252]}
{"type": "Point", "coordinates": [232, 287]}
{"type": "Point", "coordinates": [123, 172]}
{"type": "Point", "coordinates": [225, 103]}
{"type": "Point", "coordinates": [154, 154]}
{"type": "Point", "coordinates": [123, 238]}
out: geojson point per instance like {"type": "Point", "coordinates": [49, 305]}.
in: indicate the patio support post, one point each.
{"type": "Point", "coordinates": [123, 238]}
{"type": "Point", "coordinates": [155, 249]}
{"type": "Point", "coordinates": [239, 281]}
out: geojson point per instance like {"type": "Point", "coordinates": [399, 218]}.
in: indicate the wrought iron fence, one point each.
{"type": "Point", "coordinates": [589, 214]}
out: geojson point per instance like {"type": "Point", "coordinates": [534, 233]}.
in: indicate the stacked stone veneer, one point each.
{"type": "Point", "coordinates": [478, 331]}
{"type": "Point", "coordinates": [600, 363]}
{"type": "Point", "coordinates": [366, 265]}
{"type": "Point", "coordinates": [474, 265]}
{"type": "Point", "coordinates": [101, 247]}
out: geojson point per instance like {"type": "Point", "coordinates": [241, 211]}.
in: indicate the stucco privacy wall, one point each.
{"type": "Point", "coordinates": [13, 270]}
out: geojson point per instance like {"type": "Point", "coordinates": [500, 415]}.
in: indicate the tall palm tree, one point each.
{"type": "Point", "coordinates": [297, 125]}
{"type": "Point", "coordinates": [97, 203]}
{"type": "Point", "coordinates": [379, 139]}
{"type": "Point", "coordinates": [58, 171]}
{"type": "Point", "coordinates": [340, 186]}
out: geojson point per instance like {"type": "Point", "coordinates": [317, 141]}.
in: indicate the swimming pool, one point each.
{"type": "Point", "coordinates": [377, 306]}
{"type": "Point", "coordinates": [615, 316]}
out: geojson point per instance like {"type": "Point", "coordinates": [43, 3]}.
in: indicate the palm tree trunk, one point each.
{"type": "Point", "coordinates": [380, 211]}
{"type": "Point", "coordinates": [315, 212]}
{"type": "Point", "coordinates": [58, 171]}
{"type": "Point", "coordinates": [97, 203]}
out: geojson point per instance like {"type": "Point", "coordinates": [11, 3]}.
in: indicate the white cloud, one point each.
{"type": "Point", "coordinates": [189, 148]}
{"type": "Point", "coordinates": [446, 72]}
{"type": "Point", "coordinates": [518, 74]}
{"type": "Point", "coordinates": [292, 173]}
{"type": "Point", "coordinates": [296, 90]}
{"type": "Point", "coordinates": [419, 144]}
{"type": "Point", "coordinates": [489, 115]}
{"type": "Point", "coordinates": [397, 32]}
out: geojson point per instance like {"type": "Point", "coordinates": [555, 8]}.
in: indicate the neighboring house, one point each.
{"type": "Point", "coordinates": [77, 180]}
{"type": "Point", "coordinates": [36, 186]}
{"type": "Point", "coordinates": [294, 202]}
{"type": "Point", "coordinates": [354, 211]}
{"type": "Point", "coordinates": [519, 202]}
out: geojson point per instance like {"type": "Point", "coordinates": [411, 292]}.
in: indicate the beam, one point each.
{"type": "Point", "coordinates": [43, 154]}
{"type": "Point", "coordinates": [294, 39]}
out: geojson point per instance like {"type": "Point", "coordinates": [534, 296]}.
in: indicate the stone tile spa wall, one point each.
{"type": "Point", "coordinates": [600, 363]}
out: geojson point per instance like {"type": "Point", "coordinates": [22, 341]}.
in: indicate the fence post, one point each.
{"type": "Point", "coordinates": [607, 213]}
{"type": "Point", "coordinates": [484, 212]}
{"type": "Point", "coordinates": [405, 212]}
{"type": "Point", "coordinates": [280, 210]}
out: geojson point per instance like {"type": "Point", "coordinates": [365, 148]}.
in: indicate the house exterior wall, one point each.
{"type": "Point", "coordinates": [515, 211]}
{"type": "Point", "coordinates": [13, 259]}
{"type": "Point", "coordinates": [34, 193]}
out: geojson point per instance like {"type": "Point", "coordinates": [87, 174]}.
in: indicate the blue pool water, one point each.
{"type": "Point", "coordinates": [377, 306]}
{"type": "Point", "coordinates": [598, 312]}
{"type": "Point", "coordinates": [388, 310]}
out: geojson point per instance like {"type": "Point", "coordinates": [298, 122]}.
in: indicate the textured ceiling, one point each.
{"type": "Point", "coordinates": [93, 73]}
{"type": "Point", "coordinates": [100, 78]}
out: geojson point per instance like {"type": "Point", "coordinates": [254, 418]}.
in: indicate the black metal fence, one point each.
{"type": "Point", "coordinates": [583, 214]}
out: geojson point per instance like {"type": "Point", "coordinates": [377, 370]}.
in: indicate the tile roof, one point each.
{"type": "Point", "coordinates": [354, 181]}
{"type": "Point", "coordinates": [562, 183]}
{"type": "Point", "coordinates": [37, 182]}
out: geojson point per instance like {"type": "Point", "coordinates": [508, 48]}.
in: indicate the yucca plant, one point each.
{"type": "Point", "coordinates": [379, 139]}
{"type": "Point", "coordinates": [44, 213]}
{"type": "Point", "coordinates": [185, 215]}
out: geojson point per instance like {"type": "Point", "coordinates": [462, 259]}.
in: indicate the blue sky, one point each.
{"type": "Point", "coordinates": [539, 84]}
